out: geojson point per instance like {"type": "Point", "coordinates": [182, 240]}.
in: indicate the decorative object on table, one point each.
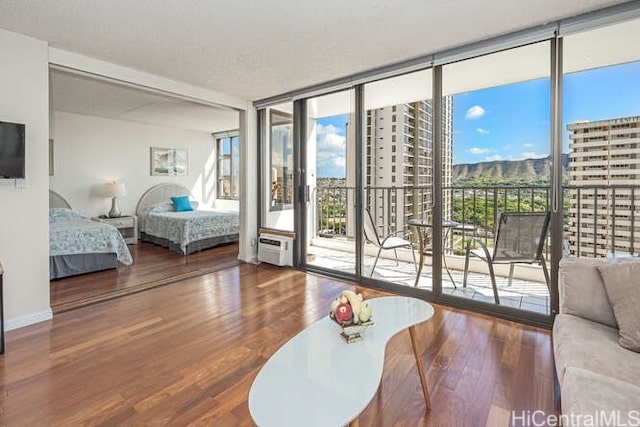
{"type": "Point", "coordinates": [114, 190]}
{"type": "Point", "coordinates": [352, 313]}
{"type": "Point", "coordinates": [169, 161]}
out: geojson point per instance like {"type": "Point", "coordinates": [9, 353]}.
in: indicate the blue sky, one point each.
{"type": "Point", "coordinates": [511, 122]}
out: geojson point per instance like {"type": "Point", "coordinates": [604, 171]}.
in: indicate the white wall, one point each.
{"type": "Point", "coordinates": [248, 244]}
{"type": "Point", "coordinates": [90, 151]}
{"type": "Point", "coordinates": [24, 229]}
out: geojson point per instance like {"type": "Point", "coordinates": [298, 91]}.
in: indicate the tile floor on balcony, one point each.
{"type": "Point", "coordinates": [523, 294]}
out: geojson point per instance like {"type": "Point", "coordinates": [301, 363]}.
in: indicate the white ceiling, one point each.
{"type": "Point", "coordinates": [88, 96]}
{"type": "Point", "coordinates": [255, 49]}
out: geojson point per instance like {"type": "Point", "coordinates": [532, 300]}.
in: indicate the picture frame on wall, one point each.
{"type": "Point", "coordinates": [169, 161]}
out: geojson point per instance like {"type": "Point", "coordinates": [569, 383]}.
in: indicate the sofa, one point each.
{"type": "Point", "coordinates": [596, 375]}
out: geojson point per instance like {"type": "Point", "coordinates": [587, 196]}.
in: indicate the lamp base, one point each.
{"type": "Point", "coordinates": [115, 209]}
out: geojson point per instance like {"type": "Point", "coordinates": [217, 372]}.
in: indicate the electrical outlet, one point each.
{"type": "Point", "coordinates": [254, 241]}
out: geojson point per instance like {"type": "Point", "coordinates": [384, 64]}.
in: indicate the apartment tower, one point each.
{"type": "Point", "coordinates": [398, 170]}
{"type": "Point", "coordinates": [604, 165]}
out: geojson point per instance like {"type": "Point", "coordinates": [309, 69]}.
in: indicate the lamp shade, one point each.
{"type": "Point", "coordinates": [115, 189]}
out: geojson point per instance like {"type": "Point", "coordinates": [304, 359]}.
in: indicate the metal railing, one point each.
{"type": "Point", "coordinates": [599, 220]}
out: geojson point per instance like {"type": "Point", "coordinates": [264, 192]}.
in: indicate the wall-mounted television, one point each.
{"type": "Point", "coordinates": [12, 150]}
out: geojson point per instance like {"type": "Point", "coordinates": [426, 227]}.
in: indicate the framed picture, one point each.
{"type": "Point", "coordinates": [169, 161]}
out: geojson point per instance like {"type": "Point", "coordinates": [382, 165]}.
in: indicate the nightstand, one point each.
{"type": "Point", "coordinates": [127, 225]}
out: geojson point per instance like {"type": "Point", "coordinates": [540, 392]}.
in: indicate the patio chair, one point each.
{"type": "Point", "coordinates": [519, 239]}
{"type": "Point", "coordinates": [388, 242]}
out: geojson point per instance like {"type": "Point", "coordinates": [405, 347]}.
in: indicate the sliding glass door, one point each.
{"type": "Point", "coordinates": [328, 183]}
{"type": "Point", "coordinates": [496, 172]}
{"type": "Point", "coordinates": [398, 180]}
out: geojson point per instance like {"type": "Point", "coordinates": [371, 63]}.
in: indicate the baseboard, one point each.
{"type": "Point", "coordinates": [253, 259]}
{"type": "Point", "coordinates": [28, 319]}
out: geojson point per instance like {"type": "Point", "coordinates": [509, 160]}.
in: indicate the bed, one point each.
{"type": "Point", "coordinates": [78, 245]}
{"type": "Point", "coordinates": [183, 232]}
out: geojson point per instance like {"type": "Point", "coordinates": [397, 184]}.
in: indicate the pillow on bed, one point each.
{"type": "Point", "coordinates": [181, 204]}
{"type": "Point", "coordinates": [64, 214]}
{"type": "Point", "coordinates": [161, 207]}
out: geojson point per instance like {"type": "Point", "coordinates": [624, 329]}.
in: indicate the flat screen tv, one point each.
{"type": "Point", "coordinates": [11, 150]}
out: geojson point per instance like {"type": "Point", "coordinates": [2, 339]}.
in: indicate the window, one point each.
{"type": "Point", "coordinates": [228, 170]}
{"type": "Point", "coordinates": [281, 160]}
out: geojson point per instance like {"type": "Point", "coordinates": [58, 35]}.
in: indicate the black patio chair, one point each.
{"type": "Point", "coordinates": [520, 238]}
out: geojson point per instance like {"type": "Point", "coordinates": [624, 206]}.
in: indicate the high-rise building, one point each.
{"type": "Point", "coordinates": [604, 162]}
{"type": "Point", "coordinates": [398, 170]}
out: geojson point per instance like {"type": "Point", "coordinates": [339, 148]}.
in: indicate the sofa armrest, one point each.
{"type": "Point", "coordinates": [582, 292]}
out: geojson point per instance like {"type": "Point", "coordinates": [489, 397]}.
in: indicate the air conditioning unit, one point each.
{"type": "Point", "coordinates": [276, 250]}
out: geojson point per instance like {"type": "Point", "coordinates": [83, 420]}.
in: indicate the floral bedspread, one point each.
{"type": "Point", "coordinates": [71, 233]}
{"type": "Point", "coordinates": [183, 228]}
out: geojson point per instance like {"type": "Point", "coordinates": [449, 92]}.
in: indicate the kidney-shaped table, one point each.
{"type": "Point", "coordinates": [317, 379]}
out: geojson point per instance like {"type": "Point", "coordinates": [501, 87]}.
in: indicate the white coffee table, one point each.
{"type": "Point", "coordinates": [317, 379]}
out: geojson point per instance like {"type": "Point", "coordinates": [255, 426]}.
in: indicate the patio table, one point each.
{"type": "Point", "coordinates": [423, 226]}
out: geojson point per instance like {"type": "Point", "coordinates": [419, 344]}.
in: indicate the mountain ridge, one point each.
{"type": "Point", "coordinates": [508, 170]}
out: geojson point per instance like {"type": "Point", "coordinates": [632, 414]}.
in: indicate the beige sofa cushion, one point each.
{"type": "Point", "coordinates": [622, 283]}
{"type": "Point", "coordinates": [588, 394]}
{"type": "Point", "coordinates": [582, 291]}
{"type": "Point", "coordinates": [580, 343]}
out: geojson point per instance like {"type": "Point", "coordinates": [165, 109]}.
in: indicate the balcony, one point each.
{"type": "Point", "coordinates": [527, 291]}
{"type": "Point", "coordinates": [476, 208]}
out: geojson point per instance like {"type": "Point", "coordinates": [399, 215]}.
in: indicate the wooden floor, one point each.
{"type": "Point", "coordinates": [187, 353]}
{"type": "Point", "coordinates": [152, 266]}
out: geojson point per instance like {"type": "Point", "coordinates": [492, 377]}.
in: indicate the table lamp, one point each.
{"type": "Point", "coordinates": [115, 190]}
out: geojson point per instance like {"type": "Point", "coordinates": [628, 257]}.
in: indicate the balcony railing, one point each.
{"type": "Point", "coordinates": [599, 220]}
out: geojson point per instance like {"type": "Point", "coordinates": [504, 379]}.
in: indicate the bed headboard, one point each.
{"type": "Point", "coordinates": [158, 194]}
{"type": "Point", "coordinates": [57, 201]}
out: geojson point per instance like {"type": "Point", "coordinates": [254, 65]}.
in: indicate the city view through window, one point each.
{"type": "Point", "coordinates": [499, 161]}
{"type": "Point", "coordinates": [593, 95]}
{"type": "Point", "coordinates": [495, 153]}
{"type": "Point", "coordinates": [486, 152]}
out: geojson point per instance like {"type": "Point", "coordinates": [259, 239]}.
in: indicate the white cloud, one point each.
{"type": "Point", "coordinates": [331, 151]}
{"type": "Point", "coordinates": [532, 155]}
{"type": "Point", "coordinates": [494, 158]}
{"type": "Point", "coordinates": [527, 145]}
{"type": "Point", "coordinates": [476, 150]}
{"type": "Point", "coordinates": [482, 131]}
{"type": "Point", "coordinates": [323, 130]}
{"type": "Point", "coordinates": [474, 112]}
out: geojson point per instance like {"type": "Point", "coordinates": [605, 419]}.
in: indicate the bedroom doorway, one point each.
{"type": "Point", "coordinates": [103, 131]}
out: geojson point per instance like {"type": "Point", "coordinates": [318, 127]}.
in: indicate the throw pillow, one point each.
{"type": "Point", "coordinates": [582, 291]}
{"type": "Point", "coordinates": [623, 290]}
{"type": "Point", "coordinates": [181, 203]}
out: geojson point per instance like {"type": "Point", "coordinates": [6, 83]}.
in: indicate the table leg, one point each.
{"type": "Point", "coordinates": [444, 256]}
{"type": "Point", "coordinates": [421, 262]}
{"type": "Point", "coordinates": [423, 379]}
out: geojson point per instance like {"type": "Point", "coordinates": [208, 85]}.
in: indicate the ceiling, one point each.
{"type": "Point", "coordinates": [255, 49]}
{"type": "Point", "coordinates": [88, 96]}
